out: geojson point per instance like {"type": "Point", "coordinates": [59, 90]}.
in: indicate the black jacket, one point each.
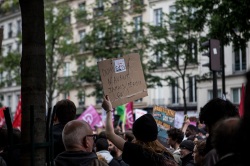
{"type": "Point", "coordinates": [78, 158]}
{"type": "Point", "coordinates": [188, 160]}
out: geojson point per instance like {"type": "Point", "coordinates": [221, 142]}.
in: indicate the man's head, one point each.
{"type": "Point", "coordinates": [65, 111]}
{"type": "Point", "coordinates": [145, 128]}
{"type": "Point", "coordinates": [175, 136]}
{"type": "Point", "coordinates": [102, 144]}
{"type": "Point", "coordinates": [78, 135]}
{"type": "Point", "coordinates": [215, 110]}
{"type": "Point", "coordinates": [191, 130]}
{"type": "Point", "coordinates": [186, 146]}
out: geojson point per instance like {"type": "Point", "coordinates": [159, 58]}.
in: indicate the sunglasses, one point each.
{"type": "Point", "coordinates": [93, 135]}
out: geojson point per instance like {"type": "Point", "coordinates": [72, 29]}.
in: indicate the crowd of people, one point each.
{"type": "Point", "coordinates": [212, 144]}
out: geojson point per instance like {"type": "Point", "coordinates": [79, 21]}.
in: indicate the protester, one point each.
{"type": "Point", "coordinates": [175, 137]}
{"type": "Point", "coordinates": [199, 152]}
{"type": "Point", "coordinates": [78, 139]}
{"type": "Point", "coordinates": [116, 153]}
{"type": "Point", "coordinates": [102, 146]}
{"type": "Point", "coordinates": [145, 150]}
{"type": "Point", "coordinates": [186, 152]}
{"type": "Point", "coordinates": [9, 155]}
{"type": "Point", "coordinates": [214, 111]}
{"type": "Point", "coordinates": [65, 111]}
{"type": "Point", "coordinates": [224, 141]}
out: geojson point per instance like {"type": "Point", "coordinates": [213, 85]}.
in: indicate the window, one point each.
{"type": "Point", "coordinates": [66, 69]}
{"type": "Point", "coordinates": [192, 93]}
{"type": "Point", "coordinates": [240, 59]}
{"type": "Point", "coordinates": [9, 101]}
{"type": "Point", "coordinates": [1, 31]}
{"type": "Point", "coordinates": [172, 12]}
{"type": "Point", "coordinates": [1, 77]}
{"type": "Point", "coordinates": [9, 30]}
{"type": "Point", "coordinates": [158, 17]}
{"type": "Point", "coordinates": [66, 95]}
{"type": "Point", "coordinates": [175, 94]}
{"type": "Point", "coordinates": [67, 20]}
{"type": "Point", "coordinates": [82, 6]}
{"type": "Point", "coordinates": [210, 94]}
{"type": "Point", "coordinates": [236, 95]}
{"type": "Point", "coordinates": [99, 8]}
{"type": "Point", "coordinates": [138, 28]}
{"type": "Point", "coordinates": [81, 98]}
{"type": "Point", "coordinates": [19, 27]}
{"type": "Point", "coordinates": [81, 40]}
{"type": "Point", "coordinates": [158, 58]}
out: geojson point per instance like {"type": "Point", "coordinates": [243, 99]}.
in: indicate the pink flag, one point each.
{"type": "Point", "coordinates": [2, 119]}
{"type": "Point", "coordinates": [91, 116]}
{"type": "Point", "coordinates": [129, 115]}
{"type": "Point", "coordinates": [18, 115]}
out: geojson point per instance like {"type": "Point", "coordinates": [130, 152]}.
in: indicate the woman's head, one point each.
{"type": "Point", "coordinates": [199, 152]}
{"type": "Point", "coordinates": [145, 128]}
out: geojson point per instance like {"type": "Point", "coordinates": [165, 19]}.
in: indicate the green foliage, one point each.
{"type": "Point", "coordinates": [108, 37]}
{"type": "Point", "coordinates": [10, 64]}
{"type": "Point", "coordinates": [227, 20]}
{"type": "Point", "coordinates": [59, 46]}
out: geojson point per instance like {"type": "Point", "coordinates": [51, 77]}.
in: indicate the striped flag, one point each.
{"type": "Point", "coordinates": [129, 115]}
{"type": "Point", "coordinates": [18, 116]}
{"type": "Point", "coordinates": [2, 119]}
{"type": "Point", "coordinates": [242, 101]}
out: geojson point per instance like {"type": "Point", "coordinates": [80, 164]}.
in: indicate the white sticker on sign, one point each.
{"type": "Point", "coordinates": [120, 65]}
{"type": "Point", "coordinates": [215, 50]}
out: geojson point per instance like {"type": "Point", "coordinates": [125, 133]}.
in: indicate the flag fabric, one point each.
{"type": "Point", "coordinates": [18, 116]}
{"type": "Point", "coordinates": [2, 119]}
{"type": "Point", "coordinates": [129, 115]}
{"type": "Point", "coordinates": [121, 111]}
{"type": "Point", "coordinates": [91, 116]}
{"type": "Point", "coordinates": [242, 101]}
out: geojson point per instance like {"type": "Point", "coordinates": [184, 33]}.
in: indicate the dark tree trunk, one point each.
{"type": "Point", "coordinates": [33, 79]}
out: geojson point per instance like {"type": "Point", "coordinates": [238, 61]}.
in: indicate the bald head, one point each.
{"type": "Point", "coordinates": [74, 133]}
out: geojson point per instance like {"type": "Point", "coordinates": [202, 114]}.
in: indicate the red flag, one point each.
{"type": "Point", "coordinates": [242, 101]}
{"type": "Point", "coordinates": [2, 119]}
{"type": "Point", "coordinates": [129, 115]}
{"type": "Point", "coordinates": [17, 118]}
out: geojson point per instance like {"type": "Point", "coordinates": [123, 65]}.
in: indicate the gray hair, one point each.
{"type": "Point", "coordinates": [74, 132]}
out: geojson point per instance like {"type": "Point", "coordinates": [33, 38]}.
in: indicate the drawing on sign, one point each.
{"type": "Point", "coordinates": [119, 65]}
{"type": "Point", "coordinates": [164, 118]}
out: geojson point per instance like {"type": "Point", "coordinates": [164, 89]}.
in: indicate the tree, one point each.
{"type": "Point", "coordinates": [174, 47]}
{"type": "Point", "coordinates": [108, 37]}
{"type": "Point", "coordinates": [59, 46]}
{"type": "Point", "coordinates": [226, 21]}
{"type": "Point", "coordinates": [33, 79]}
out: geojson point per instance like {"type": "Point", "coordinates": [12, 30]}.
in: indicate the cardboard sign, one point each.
{"type": "Point", "coordinates": [164, 118]}
{"type": "Point", "coordinates": [123, 79]}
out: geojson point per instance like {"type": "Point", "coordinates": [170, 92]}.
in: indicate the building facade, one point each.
{"type": "Point", "coordinates": [197, 93]}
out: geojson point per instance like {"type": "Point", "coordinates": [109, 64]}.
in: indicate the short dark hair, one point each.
{"type": "Point", "coordinates": [176, 134]}
{"type": "Point", "coordinates": [65, 111]}
{"type": "Point", "coordinates": [102, 144]}
{"type": "Point", "coordinates": [215, 110]}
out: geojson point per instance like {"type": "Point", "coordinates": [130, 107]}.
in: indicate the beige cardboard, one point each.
{"type": "Point", "coordinates": [123, 79]}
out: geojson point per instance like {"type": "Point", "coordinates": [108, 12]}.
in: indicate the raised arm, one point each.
{"type": "Point", "coordinates": [117, 140]}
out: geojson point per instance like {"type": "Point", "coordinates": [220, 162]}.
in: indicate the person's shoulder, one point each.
{"type": "Point", "coordinates": [114, 162]}
{"type": "Point", "coordinates": [97, 162]}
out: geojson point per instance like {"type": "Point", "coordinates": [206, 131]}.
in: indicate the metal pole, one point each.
{"type": "Point", "coordinates": [215, 90]}
{"type": "Point", "coordinates": [223, 69]}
